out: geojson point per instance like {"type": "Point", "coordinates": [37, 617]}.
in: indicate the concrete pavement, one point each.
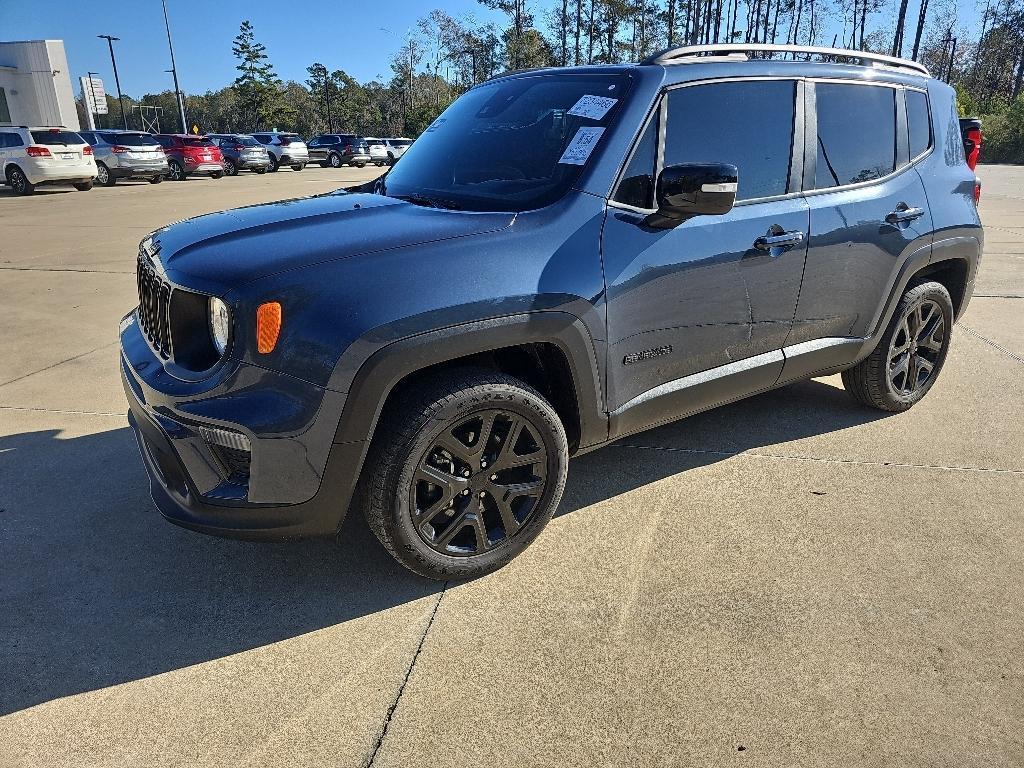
{"type": "Point", "coordinates": [790, 580]}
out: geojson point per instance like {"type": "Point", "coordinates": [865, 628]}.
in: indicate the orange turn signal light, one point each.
{"type": "Point", "coordinates": [268, 326]}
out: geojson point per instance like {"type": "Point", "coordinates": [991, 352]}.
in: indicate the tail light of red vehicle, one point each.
{"type": "Point", "coordinates": [973, 142]}
{"type": "Point", "coordinates": [34, 151]}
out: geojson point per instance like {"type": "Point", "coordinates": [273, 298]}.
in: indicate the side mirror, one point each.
{"type": "Point", "coordinates": [694, 189]}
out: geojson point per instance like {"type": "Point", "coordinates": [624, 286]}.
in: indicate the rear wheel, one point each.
{"type": "Point", "coordinates": [335, 160]}
{"type": "Point", "coordinates": [907, 360]}
{"type": "Point", "coordinates": [361, 164]}
{"type": "Point", "coordinates": [104, 177]}
{"type": "Point", "coordinates": [217, 175]}
{"type": "Point", "coordinates": [83, 186]}
{"type": "Point", "coordinates": [464, 472]}
{"type": "Point", "coordinates": [155, 179]}
{"type": "Point", "coordinates": [230, 168]}
{"type": "Point", "coordinates": [259, 171]}
{"type": "Point", "coordinates": [177, 172]}
{"type": "Point", "coordinates": [19, 181]}
{"type": "Point", "coordinates": [298, 166]}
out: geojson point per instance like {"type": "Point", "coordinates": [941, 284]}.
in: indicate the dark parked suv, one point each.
{"type": "Point", "coordinates": [564, 257]}
{"type": "Point", "coordinates": [338, 149]}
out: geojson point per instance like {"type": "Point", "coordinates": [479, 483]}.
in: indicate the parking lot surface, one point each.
{"type": "Point", "coordinates": [793, 580]}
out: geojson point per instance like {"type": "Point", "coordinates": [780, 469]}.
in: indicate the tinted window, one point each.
{"type": "Point", "coordinates": [90, 138]}
{"type": "Point", "coordinates": [10, 140]}
{"type": "Point", "coordinates": [129, 139]}
{"type": "Point", "coordinates": [856, 133]}
{"type": "Point", "coordinates": [747, 124]}
{"type": "Point", "coordinates": [262, 139]}
{"type": "Point", "coordinates": [197, 141]}
{"type": "Point", "coordinates": [919, 124]}
{"type": "Point", "coordinates": [56, 137]}
{"type": "Point", "coordinates": [400, 142]}
{"type": "Point", "coordinates": [637, 185]}
{"type": "Point", "coordinates": [543, 146]}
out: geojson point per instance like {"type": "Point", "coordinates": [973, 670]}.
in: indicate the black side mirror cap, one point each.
{"type": "Point", "coordinates": [694, 189]}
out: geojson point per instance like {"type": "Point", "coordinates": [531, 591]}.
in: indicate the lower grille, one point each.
{"type": "Point", "coordinates": [235, 462]}
{"type": "Point", "coordinates": [154, 304]}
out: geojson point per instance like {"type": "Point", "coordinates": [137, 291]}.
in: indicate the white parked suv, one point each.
{"type": "Point", "coordinates": [378, 150]}
{"type": "Point", "coordinates": [396, 148]}
{"type": "Point", "coordinates": [284, 149]}
{"type": "Point", "coordinates": [35, 156]}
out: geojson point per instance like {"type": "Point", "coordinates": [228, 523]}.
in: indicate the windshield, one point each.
{"type": "Point", "coordinates": [56, 137]}
{"type": "Point", "coordinates": [511, 145]}
{"type": "Point", "coordinates": [287, 140]}
{"type": "Point", "coordinates": [188, 141]}
{"type": "Point", "coordinates": [400, 142]}
{"type": "Point", "coordinates": [245, 141]}
{"type": "Point", "coordinates": [130, 139]}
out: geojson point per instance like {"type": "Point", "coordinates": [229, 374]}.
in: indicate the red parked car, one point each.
{"type": "Point", "coordinates": [189, 155]}
{"type": "Point", "coordinates": [970, 130]}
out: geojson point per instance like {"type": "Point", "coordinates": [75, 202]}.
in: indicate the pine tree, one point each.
{"type": "Point", "coordinates": [257, 85]}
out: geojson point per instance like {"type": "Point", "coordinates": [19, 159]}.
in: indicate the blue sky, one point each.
{"type": "Point", "coordinates": [349, 37]}
{"type": "Point", "coordinates": [202, 32]}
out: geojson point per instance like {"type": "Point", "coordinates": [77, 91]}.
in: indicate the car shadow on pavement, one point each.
{"type": "Point", "coordinates": [97, 590]}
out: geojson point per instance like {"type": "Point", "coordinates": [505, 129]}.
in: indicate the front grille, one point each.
{"type": "Point", "coordinates": [154, 303]}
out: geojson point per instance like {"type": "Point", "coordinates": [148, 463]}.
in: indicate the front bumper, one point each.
{"type": "Point", "coordinates": [296, 482]}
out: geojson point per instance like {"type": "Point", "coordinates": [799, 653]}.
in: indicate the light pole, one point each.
{"type": "Point", "coordinates": [110, 43]}
{"type": "Point", "coordinates": [174, 71]}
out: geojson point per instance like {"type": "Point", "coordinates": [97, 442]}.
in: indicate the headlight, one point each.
{"type": "Point", "coordinates": [220, 324]}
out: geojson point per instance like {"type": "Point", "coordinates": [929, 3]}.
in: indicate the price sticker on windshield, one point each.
{"type": "Point", "coordinates": [593, 107]}
{"type": "Point", "coordinates": [581, 146]}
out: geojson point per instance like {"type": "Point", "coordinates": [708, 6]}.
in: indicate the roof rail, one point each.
{"type": "Point", "coordinates": [694, 53]}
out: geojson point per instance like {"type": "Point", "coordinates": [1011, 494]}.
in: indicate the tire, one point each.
{"type": "Point", "coordinates": [259, 171]}
{"type": "Point", "coordinates": [156, 179]}
{"type": "Point", "coordinates": [324, 164]}
{"type": "Point", "coordinates": [104, 177]}
{"type": "Point", "coordinates": [360, 165]}
{"type": "Point", "coordinates": [335, 160]}
{"type": "Point", "coordinates": [83, 186]}
{"type": "Point", "coordinates": [274, 165]}
{"type": "Point", "coordinates": [919, 334]}
{"type": "Point", "coordinates": [391, 159]}
{"type": "Point", "coordinates": [407, 442]}
{"type": "Point", "coordinates": [298, 166]}
{"type": "Point", "coordinates": [177, 172]}
{"type": "Point", "coordinates": [230, 168]}
{"type": "Point", "coordinates": [217, 175]}
{"type": "Point", "coordinates": [19, 181]}
{"type": "Point", "coordinates": [379, 163]}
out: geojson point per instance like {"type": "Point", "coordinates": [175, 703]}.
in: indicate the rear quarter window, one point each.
{"type": "Point", "coordinates": [919, 123]}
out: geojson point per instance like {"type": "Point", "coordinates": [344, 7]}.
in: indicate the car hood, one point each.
{"type": "Point", "coordinates": [220, 251]}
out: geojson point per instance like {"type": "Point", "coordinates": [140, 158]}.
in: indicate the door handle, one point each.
{"type": "Point", "coordinates": [779, 240]}
{"type": "Point", "coordinates": [904, 212]}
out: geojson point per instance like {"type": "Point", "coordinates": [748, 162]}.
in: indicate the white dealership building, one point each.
{"type": "Point", "coordinates": [35, 85]}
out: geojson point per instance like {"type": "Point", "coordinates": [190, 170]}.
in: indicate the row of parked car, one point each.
{"type": "Point", "coordinates": [35, 156]}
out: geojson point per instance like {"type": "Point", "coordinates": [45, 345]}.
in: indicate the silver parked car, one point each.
{"type": "Point", "coordinates": [396, 148]}
{"type": "Point", "coordinates": [241, 153]}
{"type": "Point", "coordinates": [284, 149]}
{"type": "Point", "coordinates": [126, 155]}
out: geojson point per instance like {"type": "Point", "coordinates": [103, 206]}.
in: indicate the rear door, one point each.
{"type": "Point", "coordinates": [868, 207]}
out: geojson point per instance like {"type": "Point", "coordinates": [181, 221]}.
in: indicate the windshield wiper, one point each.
{"type": "Point", "coordinates": [429, 202]}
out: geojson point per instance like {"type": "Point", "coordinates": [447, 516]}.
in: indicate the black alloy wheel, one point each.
{"type": "Point", "coordinates": [177, 172]}
{"type": "Point", "coordinates": [915, 348]}
{"type": "Point", "coordinates": [230, 168]}
{"type": "Point", "coordinates": [19, 182]}
{"type": "Point", "coordinates": [479, 483]}
{"type": "Point", "coordinates": [464, 471]}
{"type": "Point", "coordinates": [274, 165]}
{"type": "Point", "coordinates": [905, 363]}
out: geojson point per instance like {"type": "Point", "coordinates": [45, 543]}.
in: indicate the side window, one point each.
{"type": "Point", "coordinates": [919, 124]}
{"type": "Point", "coordinates": [856, 133]}
{"type": "Point", "coordinates": [748, 124]}
{"type": "Point", "coordinates": [5, 139]}
{"type": "Point", "coordinates": [262, 139]}
{"type": "Point", "coordinates": [637, 185]}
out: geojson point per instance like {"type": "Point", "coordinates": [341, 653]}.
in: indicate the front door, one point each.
{"type": "Point", "coordinates": [707, 295]}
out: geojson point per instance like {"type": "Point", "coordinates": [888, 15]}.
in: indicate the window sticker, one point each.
{"type": "Point", "coordinates": [581, 146]}
{"type": "Point", "coordinates": [593, 107]}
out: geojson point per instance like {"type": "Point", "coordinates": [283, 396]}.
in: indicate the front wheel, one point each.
{"type": "Point", "coordinates": [464, 472]}
{"type": "Point", "coordinates": [177, 172]}
{"type": "Point", "coordinates": [259, 171]}
{"type": "Point", "coordinates": [216, 175]}
{"type": "Point", "coordinates": [298, 166]}
{"type": "Point", "coordinates": [908, 358]}
{"type": "Point", "coordinates": [155, 179]}
{"type": "Point", "coordinates": [361, 165]}
{"type": "Point", "coordinates": [83, 186]}
{"type": "Point", "coordinates": [274, 165]}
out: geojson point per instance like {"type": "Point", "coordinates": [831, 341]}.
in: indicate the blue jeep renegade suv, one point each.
{"type": "Point", "coordinates": [564, 257]}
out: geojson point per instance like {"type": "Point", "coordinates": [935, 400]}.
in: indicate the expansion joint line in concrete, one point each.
{"type": "Point", "coordinates": [408, 674]}
{"type": "Point", "coordinates": [993, 344]}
